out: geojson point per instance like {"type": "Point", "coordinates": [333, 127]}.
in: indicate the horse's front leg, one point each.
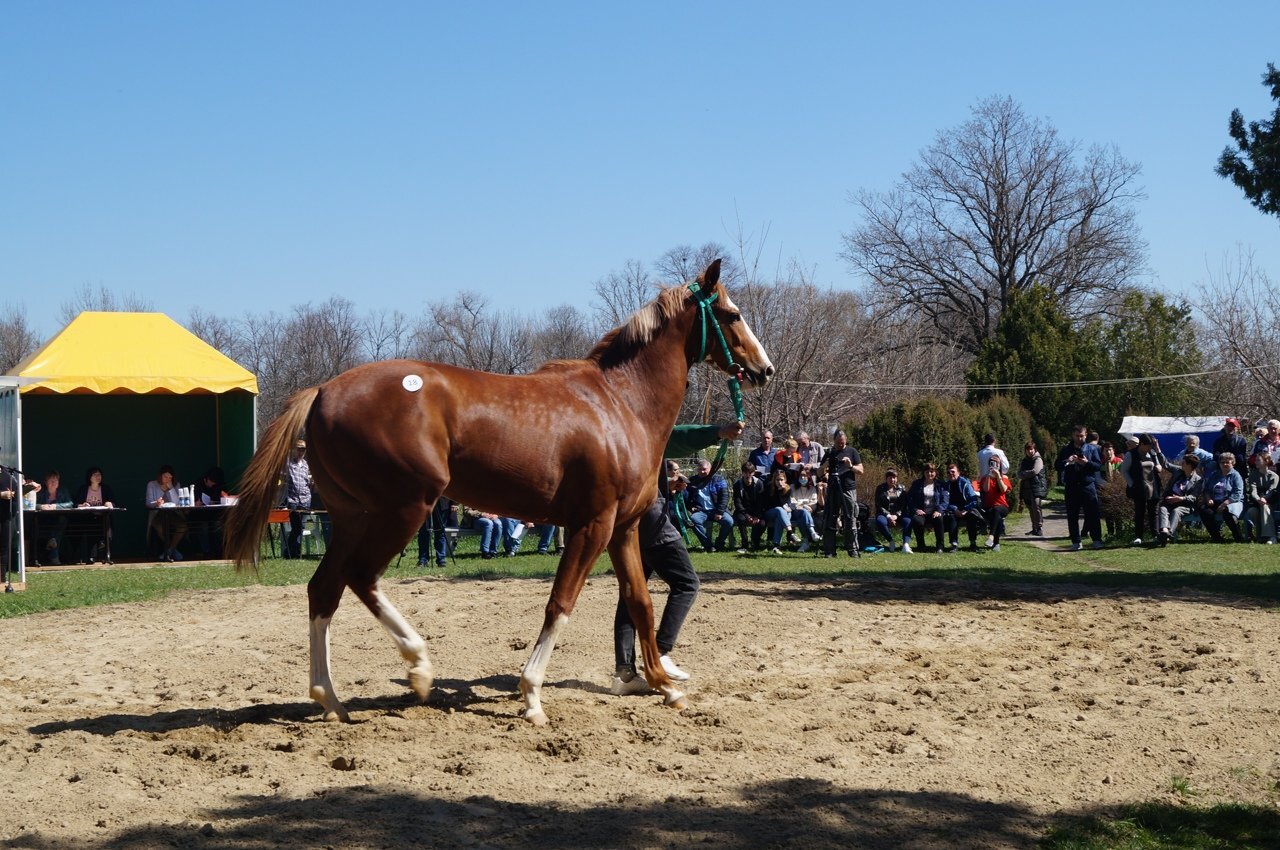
{"type": "Point", "coordinates": [582, 547]}
{"type": "Point", "coordinates": [624, 551]}
{"type": "Point", "coordinates": [323, 594]}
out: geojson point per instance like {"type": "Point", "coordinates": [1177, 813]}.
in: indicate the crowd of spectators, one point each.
{"type": "Point", "coordinates": [800, 494]}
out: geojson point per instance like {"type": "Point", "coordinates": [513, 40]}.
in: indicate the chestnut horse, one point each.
{"type": "Point", "coordinates": [577, 443]}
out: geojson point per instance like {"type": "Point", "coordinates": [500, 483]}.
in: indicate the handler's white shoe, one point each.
{"type": "Point", "coordinates": [672, 670]}
{"type": "Point", "coordinates": [906, 548]}
{"type": "Point", "coordinates": [635, 685]}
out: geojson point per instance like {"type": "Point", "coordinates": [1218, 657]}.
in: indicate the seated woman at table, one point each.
{"type": "Point", "coordinates": [93, 493]}
{"type": "Point", "coordinates": [49, 537]}
{"type": "Point", "coordinates": [208, 491]}
{"type": "Point", "coordinates": [168, 525]}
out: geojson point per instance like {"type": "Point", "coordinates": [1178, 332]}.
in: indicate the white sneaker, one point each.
{"type": "Point", "coordinates": [991, 541]}
{"type": "Point", "coordinates": [741, 551]}
{"type": "Point", "coordinates": [906, 548]}
{"type": "Point", "coordinates": [995, 547]}
{"type": "Point", "coordinates": [635, 685]}
{"type": "Point", "coordinates": [1137, 541]}
{"type": "Point", "coordinates": [814, 535]}
{"type": "Point", "coordinates": [672, 670]}
{"type": "Point", "coordinates": [804, 545]}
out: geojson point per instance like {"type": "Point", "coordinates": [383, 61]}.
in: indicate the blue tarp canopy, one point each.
{"type": "Point", "coordinates": [1171, 431]}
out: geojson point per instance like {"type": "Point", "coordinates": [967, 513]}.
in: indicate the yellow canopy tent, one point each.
{"type": "Point", "coordinates": [102, 353]}
{"type": "Point", "coordinates": [128, 392]}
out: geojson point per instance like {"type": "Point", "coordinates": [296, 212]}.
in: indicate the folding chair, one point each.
{"type": "Point", "coordinates": [279, 517]}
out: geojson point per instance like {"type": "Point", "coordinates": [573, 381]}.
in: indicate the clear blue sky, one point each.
{"type": "Point", "coordinates": [252, 156]}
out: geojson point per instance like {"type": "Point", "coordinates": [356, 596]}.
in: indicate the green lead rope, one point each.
{"type": "Point", "coordinates": [706, 317]}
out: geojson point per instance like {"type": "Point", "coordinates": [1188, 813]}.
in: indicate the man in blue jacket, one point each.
{"type": "Point", "coordinates": [962, 508]}
{"type": "Point", "coordinates": [708, 501]}
{"type": "Point", "coordinates": [1078, 465]}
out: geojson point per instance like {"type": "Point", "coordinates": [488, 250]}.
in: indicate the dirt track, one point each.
{"type": "Point", "coordinates": [860, 714]}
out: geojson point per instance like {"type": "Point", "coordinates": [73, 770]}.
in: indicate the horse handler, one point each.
{"type": "Point", "coordinates": [662, 551]}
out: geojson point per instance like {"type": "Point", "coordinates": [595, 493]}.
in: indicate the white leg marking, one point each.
{"type": "Point", "coordinates": [535, 670]}
{"type": "Point", "coordinates": [321, 683]}
{"type": "Point", "coordinates": [413, 648]}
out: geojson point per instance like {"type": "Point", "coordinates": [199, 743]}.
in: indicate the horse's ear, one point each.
{"type": "Point", "coordinates": [710, 275]}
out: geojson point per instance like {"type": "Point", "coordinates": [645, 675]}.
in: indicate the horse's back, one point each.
{"type": "Point", "coordinates": [523, 445]}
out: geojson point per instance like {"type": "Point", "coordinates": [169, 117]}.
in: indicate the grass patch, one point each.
{"type": "Point", "coordinates": [1160, 826]}
{"type": "Point", "coordinates": [1228, 570]}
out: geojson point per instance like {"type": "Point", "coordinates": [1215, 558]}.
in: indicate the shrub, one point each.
{"type": "Point", "coordinates": [940, 431]}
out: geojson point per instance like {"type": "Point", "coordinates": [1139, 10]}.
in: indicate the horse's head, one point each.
{"type": "Point", "coordinates": [734, 348]}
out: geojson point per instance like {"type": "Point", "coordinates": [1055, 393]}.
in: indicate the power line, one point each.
{"type": "Point", "coordinates": [1045, 385]}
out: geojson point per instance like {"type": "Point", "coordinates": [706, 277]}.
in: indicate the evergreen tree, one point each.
{"type": "Point", "coordinates": [1255, 167]}
{"type": "Point", "coordinates": [1036, 343]}
{"type": "Point", "coordinates": [1153, 336]}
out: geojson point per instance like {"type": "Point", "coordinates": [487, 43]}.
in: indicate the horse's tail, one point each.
{"type": "Point", "coordinates": [242, 535]}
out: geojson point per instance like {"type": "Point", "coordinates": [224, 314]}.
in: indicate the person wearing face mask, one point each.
{"type": "Point", "coordinates": [804, 497]}
{"type": "Point", "coordinates": [891, 511]}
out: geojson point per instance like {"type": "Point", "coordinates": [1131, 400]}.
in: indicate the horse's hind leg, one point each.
{"type": "Point", "coordinates": [383, 539]}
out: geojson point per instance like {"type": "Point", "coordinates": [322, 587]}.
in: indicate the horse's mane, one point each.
{"type": "Point", "coordinates": [623, 342]}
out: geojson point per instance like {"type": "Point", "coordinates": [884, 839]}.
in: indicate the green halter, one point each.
{"type": "Point", "coordinates": [707, 317]}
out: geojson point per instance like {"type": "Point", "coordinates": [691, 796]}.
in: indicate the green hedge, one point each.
{"type": "Point", "coordinates": [944, 430]}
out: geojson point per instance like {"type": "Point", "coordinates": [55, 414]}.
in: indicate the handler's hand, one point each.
{"type": "Point", "coordinates": [731, 430]}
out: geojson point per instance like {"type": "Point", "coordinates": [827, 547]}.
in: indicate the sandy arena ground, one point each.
{"type": "Point", "coordinates": [859, 713]}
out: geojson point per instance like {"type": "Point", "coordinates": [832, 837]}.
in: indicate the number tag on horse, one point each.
{"type": "Point", "coordinates": [412, 383]}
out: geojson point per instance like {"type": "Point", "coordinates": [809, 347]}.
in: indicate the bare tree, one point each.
{"type": "Point", "coordinates": [459, 332]}
{"type": "Point", "coordinates": [1240, 328]}
{"type": "Point", "coordinates": [103, 300]}
{"type": "Point", "coordinates": [684, 263]}
{"type": "Point", "coordinates": [837, 356]}
{"type": "Point", "coordinates": [994, 205]}
{"type": "Point", "coordinates": [325, 341]}
{"type": "Point", "coordinates": [386, 335]}
{"type": "Point", "coordinates": [17, 339]}
{"type": "Point", "coordinates": [563, 333]}
{"type": "Point", "coordinates": [218, 331]}
{"type": "Point", "coordinates": [623, 292]}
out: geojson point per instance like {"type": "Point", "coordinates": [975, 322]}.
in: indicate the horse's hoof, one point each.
{"type": "Point", "coordinates": [537, 717]}
{"type": "Point", "coordinates": [421, 682]}
{"type": "Point", "coordinates": [675, 699]}
{"type": "Point", "coordinates": [334, 712]}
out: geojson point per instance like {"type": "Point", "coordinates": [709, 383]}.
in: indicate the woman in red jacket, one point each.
{"type": "Point", "coordinates": [993, 490]}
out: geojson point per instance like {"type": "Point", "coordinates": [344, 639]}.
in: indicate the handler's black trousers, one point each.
{"type": "Point", "coordinates": [670, 560]}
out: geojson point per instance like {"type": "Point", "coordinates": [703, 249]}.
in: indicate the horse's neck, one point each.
{"type": "Point", "coordinates": [653, 382]}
